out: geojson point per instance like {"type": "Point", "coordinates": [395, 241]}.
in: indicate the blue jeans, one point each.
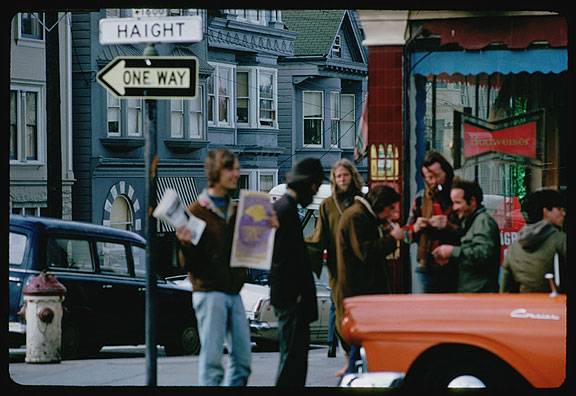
{"type": "Point", "coordinates": [221, 317]}
{"type": "Point", "coordinates": [332, 339]}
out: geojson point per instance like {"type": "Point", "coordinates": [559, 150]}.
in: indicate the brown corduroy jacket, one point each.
{"type": "Point", "coordinates": [208, 263]}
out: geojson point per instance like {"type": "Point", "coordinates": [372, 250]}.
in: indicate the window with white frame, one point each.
{"type": "Point", "coordinates": [256, 97]}
{"type": "Point", "coordinates": [242, 97]}
{"type": "Point", "coordinates": [220, 90]}
{"type": "Point", "coordinates": [25, 124]}
{"type": "Point", "coordinates": [267, 97]}
{"type": "Point", "coordinates": [114, 115]}
{"type": "Point", "coordinates": [258, 179]}
{"type": "Point", "coordinates": [334, 118]}
{"type": "Point", "coordinates": [124, 115]}
{"type": "Point", "coordinates": [337, 47]}
{"type": "Point", "coordinates": [347, 121]}
{"type": "Point", "coordinates": [186, 117]}
{"type": "Point", "coordinates": [313, 111]}
{"type": "Point", "coordinates": [31, 25]}
{"type": "Point", "coordinates": [134, 117]}
{"type": "Point", "coordinates": [262, 180]}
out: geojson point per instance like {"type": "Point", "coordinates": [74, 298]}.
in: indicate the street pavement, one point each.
{"type": "Point", "coordinates": [126, 366]}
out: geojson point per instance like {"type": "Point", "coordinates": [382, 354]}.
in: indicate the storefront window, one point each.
{"type": "Point", "coordinates": [501, 104]}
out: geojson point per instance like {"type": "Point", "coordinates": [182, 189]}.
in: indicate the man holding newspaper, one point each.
{"type": "Point", "coordinates": [216, 285]}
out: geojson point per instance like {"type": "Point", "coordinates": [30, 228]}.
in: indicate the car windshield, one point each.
{"type": "Point", "coordinates": [17, 248]}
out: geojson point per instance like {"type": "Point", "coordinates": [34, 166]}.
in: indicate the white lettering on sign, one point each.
{"type": "Point", "coordinates": [143, 30]}
{"type": "Point", "coordinates": [146, 30]}
{"type": "Point", "coordinates": [122, 77]}
{"type": "Point", "coordinates": [508, 238]}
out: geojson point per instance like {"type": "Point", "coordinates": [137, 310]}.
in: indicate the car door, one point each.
{"type": "Point", "coordinates": [118, 293]}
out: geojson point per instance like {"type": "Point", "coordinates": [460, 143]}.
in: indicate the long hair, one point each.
{"type": "Point", "coordinates": [432, 157]}
{"type": "Point", "coordinates": [215, 162]}
{"type": "Point", "coordinates": [357, 180]}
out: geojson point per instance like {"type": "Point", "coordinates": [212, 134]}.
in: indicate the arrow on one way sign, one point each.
{"type": "Point", "coordinates": [150, 77]}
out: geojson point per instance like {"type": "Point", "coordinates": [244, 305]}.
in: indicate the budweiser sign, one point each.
{"type": "Point", "coordinates": [518, 140]}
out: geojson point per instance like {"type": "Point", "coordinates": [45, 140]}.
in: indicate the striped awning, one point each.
{"type": "Point", "coordinates": [186, 188]}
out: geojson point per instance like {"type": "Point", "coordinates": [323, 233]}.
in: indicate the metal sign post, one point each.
{"type": "Point", "coordinates": [151, 159]}
{"type": "Point", "coordinates": [150, 77]}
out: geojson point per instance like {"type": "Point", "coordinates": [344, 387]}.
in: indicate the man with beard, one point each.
{"type": "Point", "coordinates": [432, 222]}
{"type": "Point", "coordinates": [478, 256]}
{"type": "Point", "coordinates": [367, 233]}
{"type": "Point", "coordinates": [292, 288]}
{"type": "Point", "coordinates": [346, 183]}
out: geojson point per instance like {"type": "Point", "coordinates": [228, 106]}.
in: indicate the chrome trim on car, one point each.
{"type": "Point", "coordinates": [257, 325]}
{"type": "Point", "coordinates": [372, 380]}
{"type": "Point", "coordinates": [17, 327]}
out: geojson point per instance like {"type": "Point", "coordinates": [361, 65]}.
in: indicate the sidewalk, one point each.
{"type": "Point", "coordinates": [126, 366]}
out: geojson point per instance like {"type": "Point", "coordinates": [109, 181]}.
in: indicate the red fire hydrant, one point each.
{"type": "Point", "coordinates": [43, 297]}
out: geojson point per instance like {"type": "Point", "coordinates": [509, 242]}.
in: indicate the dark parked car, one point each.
{"type": "Point", "coordinates": [104, 272]}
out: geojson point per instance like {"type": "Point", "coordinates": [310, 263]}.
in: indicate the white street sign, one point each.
{"type": "Point", "coordinates": [151, 30]}
{"type": "Point", "coordinates": [151, 77]}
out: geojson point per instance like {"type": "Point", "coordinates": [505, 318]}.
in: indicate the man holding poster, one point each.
{"type": "Point", "coordinates": [216, 285]}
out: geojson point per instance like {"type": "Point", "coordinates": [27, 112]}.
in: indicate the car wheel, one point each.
{"type": "Point", "coordinates": [463, 369]}
{"type": "Point", "coordinates": [187, 343]}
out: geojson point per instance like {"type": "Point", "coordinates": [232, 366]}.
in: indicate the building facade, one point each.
{"type": "Point", "coordinates": [322, 87]}
{"type": "Point", "coordinates": [486, 89]}
{"type": "Point", "coordinates": [28, 153]}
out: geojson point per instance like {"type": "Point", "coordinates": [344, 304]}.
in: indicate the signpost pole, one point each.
{"type": "Point", "coordinates": [151, 159]}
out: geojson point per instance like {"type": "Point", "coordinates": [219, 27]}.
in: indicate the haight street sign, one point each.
{"type": "Point", "coordinates": [173, 29]}
{"type": "Point", "coordinates": [151, 77]}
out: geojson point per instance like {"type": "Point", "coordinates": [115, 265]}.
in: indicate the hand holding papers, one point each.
{"type": "Point", "coordinates": [171, 210]}
{"type": "Point", "coordinates": [254, 231]}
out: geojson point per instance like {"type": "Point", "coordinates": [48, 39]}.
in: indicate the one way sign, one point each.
{"type": "Point", "coordinates": [151, 77]}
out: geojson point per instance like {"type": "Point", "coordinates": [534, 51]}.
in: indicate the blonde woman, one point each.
{"type": "Point", "coordinates": [346, 183]}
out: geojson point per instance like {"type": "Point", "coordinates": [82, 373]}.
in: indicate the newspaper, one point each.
{"type": "Point", "coordinates": [253, 235]}
{"type": "Point", "coordinates": [171, 210]}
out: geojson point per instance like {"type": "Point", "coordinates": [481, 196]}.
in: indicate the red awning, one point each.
{"type": "Point", "coordinates": [512, 32]}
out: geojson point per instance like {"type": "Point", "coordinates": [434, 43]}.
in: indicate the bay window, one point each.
{"type": "Point", "coordinates": [334, 118]}
{"type": "Point", "coordinates": [347, 121]}
{"type": "Point", "coordinates": [125, 117]}
{"type": "Point", "coordinates": [313, 111]}
{"type": "Point", "coordinates": [242, 97]}
{"type": "Point", "coordinates": [267, 95]}
{"type": "Point", "coordinates": [256, 97]}
{"type": "Point", "coordinates": [186, 117]}
{"type": "Point", "coordinates": [220, 89]}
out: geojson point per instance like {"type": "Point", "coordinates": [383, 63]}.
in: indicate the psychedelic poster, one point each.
{"type": "Point", "coordinates": [253, 235]}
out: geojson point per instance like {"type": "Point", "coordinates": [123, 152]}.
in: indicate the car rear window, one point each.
{"type": "Point", "coordinates": [17, 248]}
{"type": "Point", "coordinates": [69, 254]}
{"type": "Point", "coordinates": [113, 258]}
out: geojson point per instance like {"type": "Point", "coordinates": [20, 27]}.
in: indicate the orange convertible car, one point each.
{"type": "Point", "coordinates": [458, 340]}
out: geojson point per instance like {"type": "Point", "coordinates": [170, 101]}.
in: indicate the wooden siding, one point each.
{"type": "Point", "coordinates": [81, 116]}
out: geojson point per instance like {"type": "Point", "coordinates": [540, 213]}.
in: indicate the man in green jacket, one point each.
{"type": "Point", "coordinates": [478, 256]}
{"type": "Point", "coordinates": [532, 255]}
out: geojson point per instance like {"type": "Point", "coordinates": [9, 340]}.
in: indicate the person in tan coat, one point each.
{"type": "Point", "coordinates": [346, 183]}
{"type": "Point", "coordinates": [366, 234]}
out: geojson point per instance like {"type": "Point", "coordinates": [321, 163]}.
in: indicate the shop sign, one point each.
{"type": "Point", "coordinates": [519, 140]}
